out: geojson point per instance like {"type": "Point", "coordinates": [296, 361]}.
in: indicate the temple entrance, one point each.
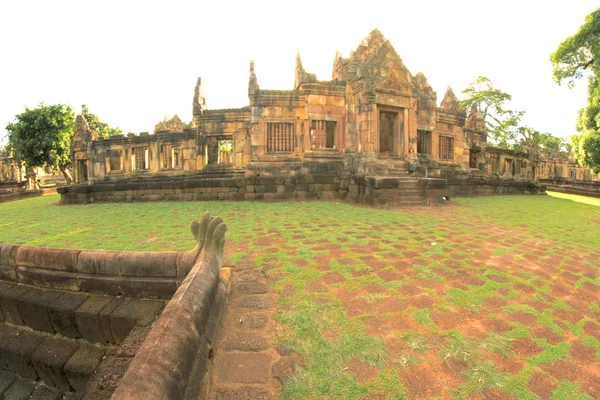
{"type": "Point", "coordinates": [386, 133]}
{"type": "Point", "coordinates": [82, 174]}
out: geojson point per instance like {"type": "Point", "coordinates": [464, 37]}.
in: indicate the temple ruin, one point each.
{"type": "Point", "coordinates": [345, 134]}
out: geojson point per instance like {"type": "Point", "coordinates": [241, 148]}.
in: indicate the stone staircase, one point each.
{"type": "Point", "coordinates": [57, 344]}
{"type": "Point", "coordinates": [409, 193]}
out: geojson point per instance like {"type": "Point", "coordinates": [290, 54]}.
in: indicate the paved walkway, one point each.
{"type": "Point", "coordinates": [246, 364]}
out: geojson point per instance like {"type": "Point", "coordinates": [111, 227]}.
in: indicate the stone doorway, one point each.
{"type": "Point", "coordinates": [387, 122]}
{"type": "Point", "coordinates": [82, 173]}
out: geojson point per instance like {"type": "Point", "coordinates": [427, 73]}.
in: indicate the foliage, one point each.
{"type": "Point", "coordinates": [576, 57]}
{"type": "Point", "coordinates": [41, 136]}
{"type": "Point", "coordinates": [96, 124]}
{"type": "Point", "coordinates": [535, 143]}
{"type": "Point", "coordinates": [500, 122]}
{"type": "Point", "coordinates": [586, 149]}
{"type": "Point", "coordinates": [504, 125]}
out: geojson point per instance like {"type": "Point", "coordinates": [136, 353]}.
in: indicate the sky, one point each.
{"type": "Point", "coordinates": [133, 62]}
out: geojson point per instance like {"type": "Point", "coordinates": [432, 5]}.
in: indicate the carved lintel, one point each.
{"type": "Point", "coordinates": [391, 100]}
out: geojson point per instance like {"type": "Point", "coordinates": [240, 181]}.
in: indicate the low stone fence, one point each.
{"type": "Point", "coordinates": [25, 194]}
{"type": "Point", "coordinates": [54, 285]}
{"type": "Point", "coordinates": [582, 188]}
{"type": "Point", "coordinates": [112, 273]}
{"type": "Point", "coordinates": [171, 362]}
{"type": "Point", "coordinates": [491, 187]}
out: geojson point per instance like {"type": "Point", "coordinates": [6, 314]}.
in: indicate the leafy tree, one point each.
{"type": "Point", "coordinates": [42, 136]}
{"type": "Point", "coordinates": [96, 124]}
{"type": "Point", "coordinates": [576, 57]}
{"type": "Point", "coordinates": [502, 124]}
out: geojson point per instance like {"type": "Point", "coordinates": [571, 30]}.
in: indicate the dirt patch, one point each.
{"type": "Point", "coordinates": [544, 332]}
{"type": "Point", "coordinates": [389, 276]}
{"type": "Point", "coordinates": [564, 369]}
{"type": "Point", "coordinates": [524, 318]}
{"type": "Point", "coordinates": [541, 385]}
{"type": "Point", "coordinates": [316, 287]}
{"type": "Point", "coordinates": [420, 382]}
{"type": "Point", "coordinates": [526, 347]}
{"type": "Point", "coordinates": [410, 289]}
{"type": "Point", "coordinates": [582, 353]}
{"type": "Point", "coordinates": [361, 371]}
{"type": "Point", "coordinates": [446, 319]}
{"type": "Point", "coordinates": [497, 325]}
{"type": "Point", "coordinates": [592, 329]}
{"type": "Point", "coordinates": [334, 277]}
{"type": "Point", "coordinates": [511, 365]}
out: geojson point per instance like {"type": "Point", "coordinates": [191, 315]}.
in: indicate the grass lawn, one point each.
{"type": "Point", "coordinates": [493, 296]}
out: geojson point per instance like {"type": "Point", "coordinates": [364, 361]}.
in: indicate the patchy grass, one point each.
{"type": "Point", "coordinates": [509, 281]}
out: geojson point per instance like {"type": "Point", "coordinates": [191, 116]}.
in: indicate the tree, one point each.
{"type": "Point", "coordinates": [576, 57]}
{"type": "Point", "coordinates": [96, 124]}
{"type": "Point", "coordinates": [42, 136]}
{"type": "Point", "coordinates": [502, 124]}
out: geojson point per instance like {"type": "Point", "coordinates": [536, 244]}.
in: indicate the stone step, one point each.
{"type": "Point", "coordinates": [410, 202]}
{"type": "Point", "coordinates": [95, 318]}
{"type": "Point", "coordinates": [60, 363]}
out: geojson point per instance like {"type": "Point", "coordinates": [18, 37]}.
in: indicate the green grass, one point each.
{"type": "Point", "coordinates": [495, 260]}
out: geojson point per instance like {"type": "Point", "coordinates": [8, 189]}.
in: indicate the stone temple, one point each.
{"type": "Point", "coordinates": [346, 138]}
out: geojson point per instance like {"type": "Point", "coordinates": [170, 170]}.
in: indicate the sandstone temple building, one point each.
{"type": "Point", "coordinates": [359, 124]}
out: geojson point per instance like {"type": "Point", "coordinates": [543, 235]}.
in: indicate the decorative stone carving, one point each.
{"type": "Point", "coordinates": [253, 81]}
{"type": "Point", "coordinates": [301, 75]}
{"type": "Point", "coordinates": [199, 103]}
{"type": "Point", "coordinates": [173, 124]}
{"type": "Point", "coordinates": [475, 119]}
{"type": "Point", "coordinates": [391, 100]}
{"type": "Point", "coordinates": [450, 102]}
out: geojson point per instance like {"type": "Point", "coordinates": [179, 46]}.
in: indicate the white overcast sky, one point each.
{"type": "Point", "coordinates": [132, 62]}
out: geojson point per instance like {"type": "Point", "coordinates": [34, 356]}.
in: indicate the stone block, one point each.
{"type": "Point", "coordinates": [80, 367]}
{"type": "Point", "coordinates": [47, 258]}
{"type": "Point", "coordinates": [245, 368]}
{"type": "Point", "coordinates": [10, 300]}
{"type": "Point", "coordinates": [132, 312]}
{"type": "Point", "coordinates": [34, 308]}
{"type": "Point", "coordinates": [61, 280]}
{"type": "Point", "coordinates": [155, 264]}
{"type": "Point", "coordinates": [87, 317]}
{"type": "Point", "coordinates": [6, 380]}
{"type": "Point", "coordinates": [49, 360]}
{"type": "Point", "coordinates": [245, 341]}
{"type": "Point", "coordinates": [17, 352]}
{"type": "Point", "coordinates": [43, 392]}
{"type": "Point", "coordinates": [242, 393]}
{"type": "Point", "coordinates": [105, 319]}
{"type": "Point", "coordinates": [62, 313]}
{"type": "Point", "coordinates": [99, 284]}
{"type": "Point", "coordinates": [21, 389]}
{"type": "Point", "coordinates": [163, 288]}
{"type": "Point", "coordinates": [98, 263]}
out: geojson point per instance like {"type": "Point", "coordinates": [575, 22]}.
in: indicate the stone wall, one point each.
{"type": "Point", "coordinates": [108, 302]}
{"type": "Point", "coordinates": [583, 188]}
{"type": "Point", "coordinates": [302, 186]}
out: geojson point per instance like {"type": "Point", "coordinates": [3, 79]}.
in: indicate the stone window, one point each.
{"type": "Point", "coordinates": [114, 160]}
{"type": "Point", "coordinates": [446, 148]}
{"type": "Point", "coordinates": [225, 151]}
{"type": "Point", "coordinates": [280, 137]}
{"type": "Point", "coordinates": [139, 158]}
{"type": "Point", "coordinates": [169, 156]}
{"type": "Point", "coordinates": [423, 142]}
{"type": "Point", "coordinates": [322, 134]}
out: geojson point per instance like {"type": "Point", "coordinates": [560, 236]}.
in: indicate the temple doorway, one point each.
{"type": "Point", "coordinates": [386, 133]}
